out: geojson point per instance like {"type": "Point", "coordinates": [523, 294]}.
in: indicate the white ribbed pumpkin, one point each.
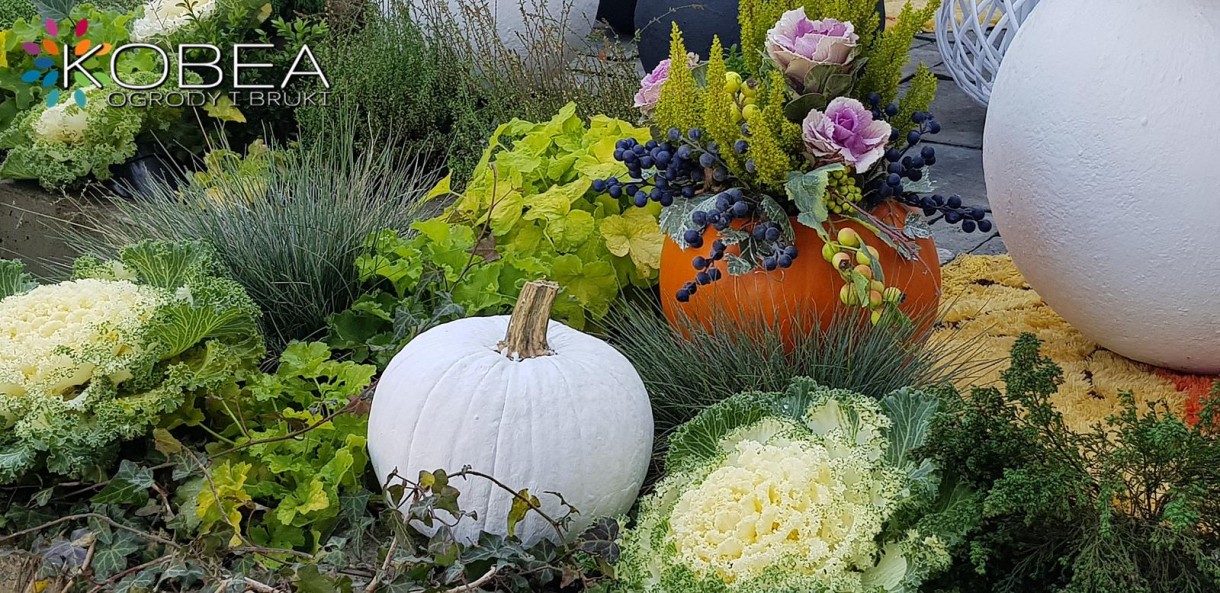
{"type": "Point", "coordinates": [533, 403]}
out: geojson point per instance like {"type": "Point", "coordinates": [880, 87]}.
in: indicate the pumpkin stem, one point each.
{"type": "Point", "coordinates": [526, 337]}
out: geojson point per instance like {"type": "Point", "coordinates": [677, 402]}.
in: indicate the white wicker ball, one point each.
{"type": "Point", "coordinates": [973, 35]}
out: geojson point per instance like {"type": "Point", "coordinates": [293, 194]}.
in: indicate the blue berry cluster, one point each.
{"type": "Point", "coordinates": [688, 165]}
{"type": "Point", "coordinates": [952, 211]}
{"type": "Point", "coordinates": [901, 166]}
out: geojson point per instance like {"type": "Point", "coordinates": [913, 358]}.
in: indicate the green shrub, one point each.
{"type": "Point", "coordinates": [289, 231]}
{"type": "Point", "coordinates": [445, 86]}
{"type": "Point", "coordinates": [11, 10]}
{"type": "Point", "coordinates": [1131, 505]}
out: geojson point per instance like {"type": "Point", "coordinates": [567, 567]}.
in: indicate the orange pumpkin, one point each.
{"type": "Point", "coordinates": [808, 291]}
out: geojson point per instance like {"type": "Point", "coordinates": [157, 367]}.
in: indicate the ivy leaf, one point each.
{"type": "Point", "coordinates": [637, 235]}
{"type": "Point", "coordinates": [675, 218]}
{"type": "Point", "coordinates": [808, 192]}
{"type": "Point", "coordinates": [306, 499]}
{"type": "Point", "coordinates": [733, 236]}
{"type": "Point", "coordinates": [601, 539]}
{"type": "Point", "coordinates": [738, 265]}
{"type": "Point", "coordinates": [110, 556]}
{"type": "Point", "coordinates": [923, 186]}
{"type": "Point", "coordinates": [129, 485]}
{"type": "Point", "coordinates": [915, 227]}
{"type": "Point", "coordinates": [776, 214]}
{"type": "Point", "coordinates": [522, 504]}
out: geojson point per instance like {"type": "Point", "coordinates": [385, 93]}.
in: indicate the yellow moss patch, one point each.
{"type": "Point", "coordinates": [987, 305]}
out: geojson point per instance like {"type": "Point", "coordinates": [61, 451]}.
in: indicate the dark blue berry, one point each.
{"type": "Point", "coordinates": [599, 185]}
{"type": "Point", "coordinates": [919, 117]}
{"type": "Point", "coordinates": [769, 263]}
{"type": "Point", "coordinates": [915, 174]}
{"type": "Point", "coordinates": [683, 152]}
{"type": "Point", "coordinates": [699, 217]}
{"type": "Point", "coordinates": [667, 199]}
{"type": "Point", "coordinates": [952, 217]}
{"type": "Point", "coordinates": [674, 134]}
{"type": "Point", "coordinates": [773, 234]}
{"type": "Point", "coordinates": [741, 209]}
{"type": "Point", "coordinates": [934, 127]}
{"type": "Point", "coordinates": [688, 192]}
{"type": "Point", "coordinates": [874, 99]}
{"type": "Point", "coordinates": [683, 295]}
{"type": "Point", "coordinates": [917, 162]}
{"type": "Point", "coordinates": [720, 174]}
{"type": "Point", "coordinates": [968, 225]}
{"type": "Point", "coordinates": [891, 109]}
{"type": "Point", "coordinates": [750, 166]}
{"type": "Point", "coordinates": [691, 236]}
{"type": "Point", "coordinates": [790, 251]}
{"type": "Point", "coordinates": [616, 191]}
{"type": "Point", "coordinates": [985, 226]}
{"type": "Point", "coordinates": [893, 155]}
{"type": "Point", "coordinates": [714, 273]}
{"type": "Point", "coordinates": [955, 201]}
{"type": "Point", "coordinates": [928, 152]}
{"type": "Point", "coordinates": [618, 154]}
{"type": "Point", "coordinates": [784, 260]}
{"type": "Point", "coordinates": [699, 262]}
{"type": "Point", "coordinates": [718, 246]}
{"type": "Point", "coordinates": [894, 179]}
{"type": "Point", "coordinates": [640, 199]}
{"type": "Point", "coordinates": [894, 168]}
{"type": "Point", "coordinates": [978, 214]}
{"type": "Point", "coordinates": [694, 134]}
{"type": "Point", "coordinates": [741, 146]}
{"type": "Point", "coordinates": [703, 278]}
{"type": "Point", "coordinates": [914, 137]}
{"type": "Point", "coordinates": [706, 160]}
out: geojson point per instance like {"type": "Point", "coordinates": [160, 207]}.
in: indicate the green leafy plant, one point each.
{"type": "Point", "coordinates": [282, 487]}
{"type": "Point", "coordinates": [807, 489]}
{"type": "Point", "coordinates": [1130, 505]}
{"type": "Point", "coordinates": [105, 357]}
{"type": "Point", "coordinates": [290, 232]}
{"type": "Point", "coordinates": [698, 363]}
{"type": "Point", "coordinates": [527, 213]}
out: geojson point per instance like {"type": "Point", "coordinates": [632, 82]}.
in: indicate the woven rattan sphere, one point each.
{"type": "Point", "coordinates": [973, 35]}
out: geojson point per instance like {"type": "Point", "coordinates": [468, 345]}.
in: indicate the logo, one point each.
{"type": "Point", "coordinates": [49, 56]}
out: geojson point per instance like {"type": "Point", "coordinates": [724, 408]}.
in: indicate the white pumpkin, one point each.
{"type": "Point", "coordinates": [533, 403]}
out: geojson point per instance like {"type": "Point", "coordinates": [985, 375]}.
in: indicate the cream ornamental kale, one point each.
{"type": "Point", "coordinates": [102, 358]}
{"type": "Point", "coordinates": [811, 490]}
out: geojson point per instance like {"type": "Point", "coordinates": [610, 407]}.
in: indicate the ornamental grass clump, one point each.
{"type": "Point", "coordinates": [808, 489]}
{"type": "Point", "coordinates": [289, 224]}
{"type": "Point", "coordinates": [699, 362]}
{"type": "Point", "coordinates": [100, 359]}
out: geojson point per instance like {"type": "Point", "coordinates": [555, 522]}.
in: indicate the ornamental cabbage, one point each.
{"type": "Point", "coordinates": [60, 144]}
{"type": "Point", "coordinates": [812, 490]}
{"type": "Point", "coordinates": [99, 359]}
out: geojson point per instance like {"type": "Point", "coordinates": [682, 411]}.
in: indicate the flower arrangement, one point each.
{"type": "Point", "coordinates": [808, 129]}
{"type": "Point", "coordinates": [811, 489]}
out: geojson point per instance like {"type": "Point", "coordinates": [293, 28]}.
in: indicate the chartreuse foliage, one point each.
{"type": "Point", "coordinates": [1132, 505]}
{"type": "Point", "coordinates": [527, 213]}
{"type": "Point", "coordinates": [298, 482]}
{"type": "Point", "coordinates": [809, 489]}
{"type": "Point", "coordinates": [101, 359]}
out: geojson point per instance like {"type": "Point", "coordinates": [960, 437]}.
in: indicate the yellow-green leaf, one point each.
{"type": "Point", "coordinates": [224, 109]}
{"type": "Point", "coordinates": [637, 235]}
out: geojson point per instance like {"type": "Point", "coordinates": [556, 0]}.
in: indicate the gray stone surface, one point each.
{"type": "Point", "coordinates": [30, 223]}
{"type": "Point", "coordinates": [961, 119]}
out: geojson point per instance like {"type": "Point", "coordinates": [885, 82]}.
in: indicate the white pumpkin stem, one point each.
{"type": "Point", "coordinates": [526, 337]}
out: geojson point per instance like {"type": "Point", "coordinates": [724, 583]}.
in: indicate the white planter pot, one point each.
{"type": "Point", "coordinates": [1102, 159]}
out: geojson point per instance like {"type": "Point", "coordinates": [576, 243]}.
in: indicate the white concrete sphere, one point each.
{"type": "Point", "coordinates": [1102, 160]}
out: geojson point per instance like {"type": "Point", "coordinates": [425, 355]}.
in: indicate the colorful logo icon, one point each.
{"type": "Point", "coordinates": [49, 57]}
